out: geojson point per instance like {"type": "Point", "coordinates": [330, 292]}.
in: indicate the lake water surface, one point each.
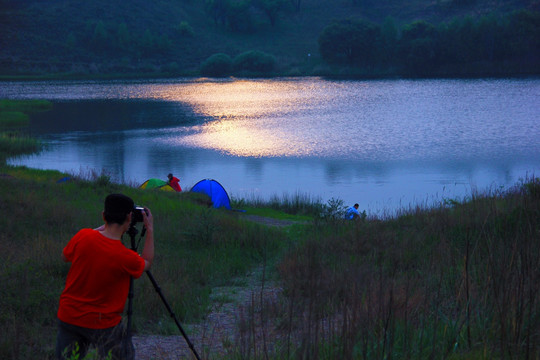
{"type": "Point", "coordinates": [384, 144]}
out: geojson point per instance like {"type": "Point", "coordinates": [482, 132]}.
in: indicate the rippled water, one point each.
{"type": "Point", "coordinates": [383, 144]}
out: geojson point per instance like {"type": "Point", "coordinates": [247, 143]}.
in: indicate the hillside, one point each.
{"type": "Point", "coordinates": [113, 36]}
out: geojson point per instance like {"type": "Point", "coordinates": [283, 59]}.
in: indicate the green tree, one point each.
{"type": "Point", "coordinates": [296, 4]}
{"type": "Point", "coordinates": [239, 16]}
{"type": "Point", "coordinates": [162, 44]}
{"type": "Point", "coordinates": [217, 9]}
{"type": "Point", "coordinates": [71, 41]}
{"type": "Point", "coordinates": [147, 43]}
{"type": "Point", "coordinates": [524, 35]}
{"type": "Point", "coordinates": [271, 8]}
{"type": "Point", "coordinates": [217, 65]}
{"type": "Point", "coordinates": [352, 42]}
{"type": "Point", "coordinates": [419, 48]}
{"type": "Point", "coordinates": [389, 39]}
{"type": "Point", "coordinates": [232, 13]}
{"type": "Point", "coordinates": [254, 62]}
{"type": "Point", "coordinates": [489, 29]}
{"type": "Point", "coordinates": [100, 37]}
{"type": "Point", "coordinates": [463, 2]}
{"type": "Point", "coordinates": [185, 29]}
{"type": "Point", "coordinates": [459, 41]}
{"type": "Point", "coordinates": [123, 37]}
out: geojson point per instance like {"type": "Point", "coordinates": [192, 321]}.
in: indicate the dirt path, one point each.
{"type": "Point", "coordinates": [269, 221]}
{"type": "Point", "coordinates": [219, 333]}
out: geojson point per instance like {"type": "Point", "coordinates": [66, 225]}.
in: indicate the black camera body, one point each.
{"type": "Point", "coordinates": [137, 214]}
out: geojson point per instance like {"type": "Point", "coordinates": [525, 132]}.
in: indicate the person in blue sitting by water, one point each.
{"type": "Point", "coordinates": [352, 212]}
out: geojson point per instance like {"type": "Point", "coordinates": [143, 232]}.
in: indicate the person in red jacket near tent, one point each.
{"type": "Point", "coordinates": [174, 182]}
{"type": "Point", "coordinates": [98, 282]}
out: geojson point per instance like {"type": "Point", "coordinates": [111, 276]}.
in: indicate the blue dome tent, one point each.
{"type": "Point", "coordinates": [217, 193]}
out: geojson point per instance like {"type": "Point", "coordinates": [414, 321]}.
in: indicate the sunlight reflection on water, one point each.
{"type": "Point", "coordinates": [368, 121]}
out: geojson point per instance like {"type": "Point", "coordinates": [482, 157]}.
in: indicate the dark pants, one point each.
{"type": "Point", "coordinates": [77, 340]}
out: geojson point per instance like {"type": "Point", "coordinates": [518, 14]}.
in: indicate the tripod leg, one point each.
{"type": "Point", "coordinates": [171, 313]}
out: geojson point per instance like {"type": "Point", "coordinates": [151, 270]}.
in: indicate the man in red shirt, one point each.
{"type": "Point", "coordinates": [97, 283]}
{"type": "Point", "coordinates": [174, 182]}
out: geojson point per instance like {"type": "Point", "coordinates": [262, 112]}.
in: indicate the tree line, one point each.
{"type": "Point", "coordinates": [493, 44]}
{"type": "Point", "coordinates": [112, 38]}
{"type": "Point", "coordinates": [462, 46]}
{"type": "Point", "coordinates": [239, 15]}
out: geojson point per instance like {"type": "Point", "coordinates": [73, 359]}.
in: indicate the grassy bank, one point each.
{"type": "Point", "coordinates": [197, 248]}
{"type": "Point", "coordinates": [456, 282]}
{"type": "Point", "coordinates": [14, 119]}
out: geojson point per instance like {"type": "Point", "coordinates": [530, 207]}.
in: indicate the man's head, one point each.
{"type": "Point", "coordinates": [169, 176]}
{"type": "Point", "coordinates": [356, 206]}
{"type": "Point", "coordinates": [117, 208]}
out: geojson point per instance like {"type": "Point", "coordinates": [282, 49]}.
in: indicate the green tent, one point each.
{"type": "Point", "coordinates": [156, 184]}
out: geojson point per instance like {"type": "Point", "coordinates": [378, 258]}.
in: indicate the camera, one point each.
{"type": "Point", "coordinates": [137, 214]}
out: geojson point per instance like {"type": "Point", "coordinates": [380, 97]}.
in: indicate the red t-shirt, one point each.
{"type": "Point", "coordinates": [175, 183]}
{"type": "Point", "coordinates": [97, 283]}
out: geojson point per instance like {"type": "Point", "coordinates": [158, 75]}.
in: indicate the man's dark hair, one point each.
{"type": "Point", "coordinates": [117, 207]}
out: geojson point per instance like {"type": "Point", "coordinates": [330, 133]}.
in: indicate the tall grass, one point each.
{"type": "Point", "coordinates": [298, 203]}
{"type": "Point", "coordinates": [454, 282]}
{"type": "Point", "coordinates": [458, 282]}
{"type": "Point", "coordinates": [197, 248]}
{"type": "Point", "coordinates": [14, 119]}
{"type": "Point", "coordinates": [25, 106]}
{"type": "Point", "coordinates": [12, 144]}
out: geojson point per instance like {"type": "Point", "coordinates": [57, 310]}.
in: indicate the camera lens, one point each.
{"type": "Point", "coordinates": [137, 214]}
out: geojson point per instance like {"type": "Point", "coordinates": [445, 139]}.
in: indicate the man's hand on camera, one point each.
{"type": "Point", "coordinates": [148, 219]}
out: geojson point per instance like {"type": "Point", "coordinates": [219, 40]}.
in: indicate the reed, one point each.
{"type": "Point", "coordinates": [14, 119]}
{"type": "Point", "coordinates": [298, 203]}
{"type": "Point", "coordinates": [452, 282]}
{"type": "Point", "coordinates": [13, 144]}
{"type": "Point", "coordinates": [25, 106]}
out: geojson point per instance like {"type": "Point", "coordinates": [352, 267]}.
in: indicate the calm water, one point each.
{"type": "Point", "coordinates": [384, 144]}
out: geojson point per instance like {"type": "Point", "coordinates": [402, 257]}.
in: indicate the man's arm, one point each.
{"type": "Point", "coordinates": [148, 250]}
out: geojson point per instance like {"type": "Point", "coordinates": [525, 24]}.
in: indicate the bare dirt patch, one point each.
{"type": "Point", "coordinates": [221, 332]}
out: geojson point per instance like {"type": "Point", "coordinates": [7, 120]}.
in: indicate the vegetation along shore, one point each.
{"type": "Point", "coordinates": [460, 280]}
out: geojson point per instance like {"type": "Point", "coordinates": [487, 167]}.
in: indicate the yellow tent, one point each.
{"type": "Point", "coordinates": [156, 184]}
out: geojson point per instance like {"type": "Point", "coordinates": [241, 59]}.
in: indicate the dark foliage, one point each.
{"type": "Point", "coordinates": [140, 38]}
{"type": "Point", "coordinates": [351, 42]}
{"type": "Point", "coordinates": [217, 65]}
{"type": "Point", "coordinates": [254, 62]}
{"type": "Point", "coordinates": [462, 46]}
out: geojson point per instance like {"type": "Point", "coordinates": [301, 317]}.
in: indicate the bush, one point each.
{"type": "Point", "coordinates": [172, 68]}
{"type": "Point", "coordinates": [25, 105]}
{"type": "Point", "coordinates": [217, 65]}
{"type": "Point", "coordinates": [353, 42]}
{"type": "Point", "coordinates": [185, 29]}
{"type": "Point", "coordinates": [12, 119]}
{"type": "Point", "coordinates": [254, 62]}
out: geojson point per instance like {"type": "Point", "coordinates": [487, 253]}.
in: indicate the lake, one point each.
{"type": "Point", "coordinates": [385, 144]}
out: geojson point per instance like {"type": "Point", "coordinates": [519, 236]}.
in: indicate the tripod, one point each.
{"type": "Point", "coordinates": [132, 232]}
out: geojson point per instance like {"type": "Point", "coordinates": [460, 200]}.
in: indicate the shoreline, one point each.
{"type": "Point", "coordinates": [330, 76]}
